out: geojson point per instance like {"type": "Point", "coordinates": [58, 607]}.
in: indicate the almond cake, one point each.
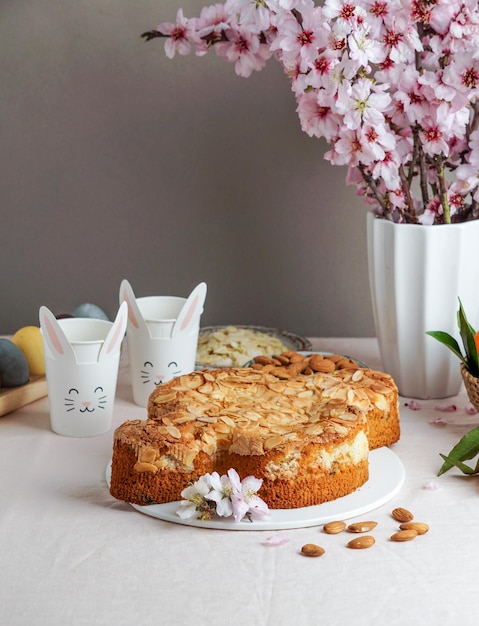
{"type": "Point", "coordinates": [307, 437]}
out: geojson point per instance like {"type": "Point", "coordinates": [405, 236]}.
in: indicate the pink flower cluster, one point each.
{"type": "Point", "coordinates": [392, 85]}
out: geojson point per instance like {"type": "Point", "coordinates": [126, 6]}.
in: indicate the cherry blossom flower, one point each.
{"type": "Point", "coordinates": [213, 19]}
{"type": "Point", "coordinates": [245, 51]}
{"type": "Point", "coordinates": [317, 116]}
{"type": "Point", "coordinates": [362, 103]}
{"type": "Point", "coordinates": [244, 499]}
{"type": "Point", "coordinates": [302, 39]}
{"type": "Point", "coordinates": [180, 34]}
{"type": "Point", "coordinates": [221, 491]}
{"type": "Point", "coordinates": [195, 504]}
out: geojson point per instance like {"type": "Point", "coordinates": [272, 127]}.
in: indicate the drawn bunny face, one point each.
{"type": "Point", "coordinates": [150, 375]}
{"type": "Point", "coordinates": [82, 359]}
{"type": "Point", "coordinates": [78, 401]}
{"type": "Point", "coordinates": [162, 337]}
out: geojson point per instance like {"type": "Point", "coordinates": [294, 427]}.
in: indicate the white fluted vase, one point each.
{"type": "Point", "coordinates": [416, 275]}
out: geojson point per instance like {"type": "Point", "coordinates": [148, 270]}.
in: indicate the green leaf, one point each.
{"type": "Point", "coordinates": [465, 469]}
{"type": "Point", "coordinates": [467, 448]}
{"type": "Point", "coordinates": [449, 341]}
{"type": "Point", "coordinates": [467, 336]}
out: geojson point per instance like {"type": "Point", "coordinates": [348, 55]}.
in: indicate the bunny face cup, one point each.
{"type": "Point", "coordinates": [162, 337]}
{"type": "Point", "coordinates": [81, 361]}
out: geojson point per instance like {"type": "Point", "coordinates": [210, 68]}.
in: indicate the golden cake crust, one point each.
{"type": "Point", "coordinates": [306, 437]}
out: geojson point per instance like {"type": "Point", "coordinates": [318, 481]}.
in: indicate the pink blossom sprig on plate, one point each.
{"type": "Point", "coordinates": [391, 85]}
{"type": "Point", "coordinates": [224, 496]}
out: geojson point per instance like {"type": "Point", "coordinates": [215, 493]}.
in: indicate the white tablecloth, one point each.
{"type": "Point", "coordinates": [73, 555]}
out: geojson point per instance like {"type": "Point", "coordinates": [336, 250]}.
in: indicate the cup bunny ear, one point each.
{"type": "Point", "coordinates": [116, 333]}
{"type": "Point", "coordinates": [190, 311]}
{"type": "Point", "coordinates": [54, 336]}
{"type": "Point", "coordinates": [134, 314]}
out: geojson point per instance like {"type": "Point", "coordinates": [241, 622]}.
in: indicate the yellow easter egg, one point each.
{"type": "Point", "coordinates": [29, 340]}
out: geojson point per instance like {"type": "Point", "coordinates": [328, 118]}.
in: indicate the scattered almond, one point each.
{"type": "Point", "coordinates": [360, 543]}
{"type": "Point", "coordinates": [333, 528]}
{"type": "Point", "coordinates": [361, 527]}
{"type": "Point", "coordinates": [404, 535]}
{"type": "Point", "coordinates": [311, 549]}
{"type": "Point", "coordinates": [402, 515]}
{"type": "Point", "coordinates": [419, 527]}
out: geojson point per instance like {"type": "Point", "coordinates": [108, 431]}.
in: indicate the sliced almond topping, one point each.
{"type": "Point", "coordinates": [173, 431]}
{"type": "Point", "coordinates": [147, 455]}
{"type": "Point", "coordinates": [145, 467]}
{"type": "Point", "coordinates": [166, 397]}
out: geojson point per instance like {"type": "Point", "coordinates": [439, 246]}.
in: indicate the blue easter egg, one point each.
{"type": "Point", "coordinates": [13, 365]}
{"type": "Point", "coordinates": [89, 310]}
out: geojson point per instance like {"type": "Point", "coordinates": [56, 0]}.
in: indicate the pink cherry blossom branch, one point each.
{"type": "Point", "coordinates": [393, 87]}
{"type": "Point", "coordinates": [380, 198]}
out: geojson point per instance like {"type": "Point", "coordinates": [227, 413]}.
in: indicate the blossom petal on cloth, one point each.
{"type": "Point", "coordinates": [448, 408]}
{"type": "Point", "coordinates": [438, 421]}
{"type": "Point", "coordinates": [276, 540]}
{"type": "Point", "coordinates": [414, 405]}
{"type": "Point", "coordinates": [431, 485]}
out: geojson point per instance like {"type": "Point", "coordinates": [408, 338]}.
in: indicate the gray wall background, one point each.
{"type": "Point", "coordinates": [119, 163]}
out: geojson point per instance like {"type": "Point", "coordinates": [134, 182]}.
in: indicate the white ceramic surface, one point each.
{"type": "Point", "coordinates": [386, 478]}
{"type": "Point", "coordinates": [417, 273]}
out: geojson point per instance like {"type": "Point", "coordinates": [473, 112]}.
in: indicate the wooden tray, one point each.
{"type": "Point", "coordinates": [15, 397]}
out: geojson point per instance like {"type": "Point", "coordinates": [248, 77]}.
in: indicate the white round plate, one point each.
{"type": "Point", "coordinates": [386, 478]}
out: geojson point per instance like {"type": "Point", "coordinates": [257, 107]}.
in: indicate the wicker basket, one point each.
{"type": "Point", "coordinates": [472, 387]}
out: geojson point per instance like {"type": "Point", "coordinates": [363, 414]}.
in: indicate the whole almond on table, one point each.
{"type": "Point", "coordinates": [404, 535]}
{"type": "Point", "coordinates": [311, 549]}
{"type": "Point", "coordinates": [361, 527]}
{"type": "Point", "coordinates": [402, 515]}
{"type": "Point", "coordinates": [335, 527]}
{"type": "Point", "coordinates": [361, 543]}
{"type": "Point", "coordinates": [420, 527]}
